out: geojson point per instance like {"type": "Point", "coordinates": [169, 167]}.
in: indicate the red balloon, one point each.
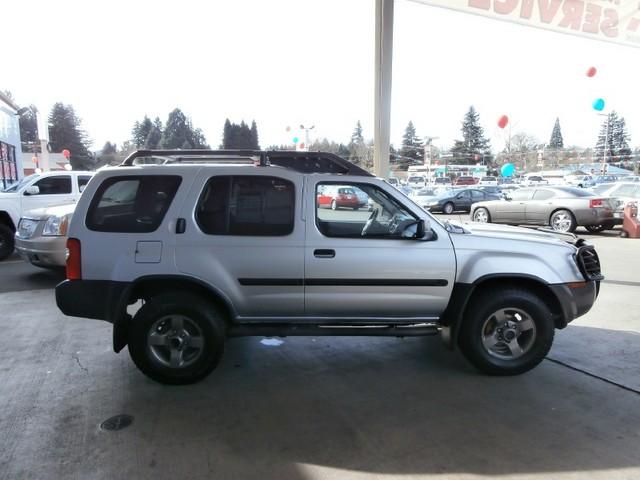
{"type": "Point", "coordinates": [66, 153]}
{"type": "Point", "coordinates": [302, 145]}
{"type": "Point", "coordinates": [503, 121]}
{"type": "Point", "coordinates": [591, 72]}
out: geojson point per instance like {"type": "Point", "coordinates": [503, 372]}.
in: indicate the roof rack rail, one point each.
{"type": "Point", "coordinates": [304, 162]}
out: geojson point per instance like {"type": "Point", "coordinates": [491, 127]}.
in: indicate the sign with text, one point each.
{"type": "Point", "coordinates": [608, 20]}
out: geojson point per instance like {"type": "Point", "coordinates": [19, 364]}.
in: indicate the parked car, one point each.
{"type": "Point", "coordinates": [339, 196]}
{"type": "Point", "coordinates": [534, 180]}
{"type": "Point", "coordinates": [36, 191]}
{"type": "Point", "coordinates": [416, 181]}
{"type": "Point", "coordinates": [622, 192]}
{"type": "Point", "coordinates": [464, 180]}
{"type": "Point", "coordinates": [442, 181]}
{"type": "Point", "coordinates": [180, 257]}
{"type": "Point", "coordinates": [393, 181]}
{"type": "Point", "coordinates": [41, 237]}
{"type": "Point", "coordinates": [562, 208]}
{"type": "Point", "coordinates": [425, 195]}
{"type": "Point", "coordinates": [488, 181]}
{"type": "Point", "coordinates": [604, 179]}
{"type": "Point", "coordinates": [582, 181]}
{"type": "Point", "coordinates": [458, 200]}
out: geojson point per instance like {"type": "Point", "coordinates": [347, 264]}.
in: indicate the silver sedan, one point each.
{"type": "Point", "coordinates": [41, 237]}
{"type": "Point", "coordinates": [562, 208]}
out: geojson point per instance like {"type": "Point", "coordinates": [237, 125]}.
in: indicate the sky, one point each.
{"type": "Point", "coordinates": [286, 63]}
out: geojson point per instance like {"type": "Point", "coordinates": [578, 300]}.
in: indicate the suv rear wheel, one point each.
{"type": "Point", "coordinates": [506, 333]}
{"type": "Point", "coordinates": [177, 338]}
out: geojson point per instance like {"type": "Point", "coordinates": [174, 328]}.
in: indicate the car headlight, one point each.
{"type": "Point", "coordinates": [56, 226]}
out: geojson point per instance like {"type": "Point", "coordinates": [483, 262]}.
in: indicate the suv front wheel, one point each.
{"type": "Point", "coordinates": [176, 338]}
{"type": "Point", "coordinates": [506, 333]}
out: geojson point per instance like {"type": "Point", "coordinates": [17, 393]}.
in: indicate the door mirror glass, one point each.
{"type": "Point", "coordinates": [32, 190]}
{"type": "Point", "coordinates": [416, 230]}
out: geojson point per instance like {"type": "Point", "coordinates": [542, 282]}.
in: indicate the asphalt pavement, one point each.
{"type": "Point", "coordinates": [320, 408]}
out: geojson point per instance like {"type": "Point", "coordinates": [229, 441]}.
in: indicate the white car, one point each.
{"type": "Point", "coordinates": [535, 180]}
{"type": "Point", "coordinates": [39, 190]}
{"type": "Point", "coordinates": [623, 192]}
{"type": "Point", "coordinates": [582, 181]}
{"type": "Point", "coordinates": [416, 181]}
{"type": "Point", "coordinates": [489, 181]}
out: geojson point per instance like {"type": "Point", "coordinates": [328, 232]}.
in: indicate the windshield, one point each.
{"type": "Point", "coordinates": [17, 186]}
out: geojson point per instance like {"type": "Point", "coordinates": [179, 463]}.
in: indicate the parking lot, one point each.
{"type": "Point", "coordinates": [326, 407]}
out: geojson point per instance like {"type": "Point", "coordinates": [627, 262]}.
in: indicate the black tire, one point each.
{"type": "Point", "coordinates": [477, 317]}
{"type": "Point", "coordinates": [356, 208]}
{"type": "Point", "coordinates": [7, 241]}
{"type": "Point", "coordinates": [334, 205]}
{"type": "Point", "coordinates": [595, 228]}
{"type": "Point", "coordinates": [624, 234]}
{"type": "Point", "coordinates": [572, 220]}
{"type": "Point", "coordinates": [210, 329]}
{"type": "Point", "coordinates": [448, 208]}
{"type": "Point", "coordinates": [480, 209]}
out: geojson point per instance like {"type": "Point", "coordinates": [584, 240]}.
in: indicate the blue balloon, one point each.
{"type": "Point", "coordinates": [598, 104]}
{"type": "Point", "coordinates": [507, 170]}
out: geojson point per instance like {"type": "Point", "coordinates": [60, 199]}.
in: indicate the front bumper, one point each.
{"type": "Point", "coordinates": [575, 299]}
{"type": "Point", "coordinates": [43, 251]}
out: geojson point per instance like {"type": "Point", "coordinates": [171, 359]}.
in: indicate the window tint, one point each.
{"type": "Point", "coordinates": [543, 194]}
{"type": "Point", "coordinates": [58, 185]}
{"type": "Point", "coordinates": [82, 181]}
{"type": "Point", "coordinates": [477, 196]}
{"type": "Point", "coordinates": [247, 205]}
{"type": "Point", "coordinates": [132, 204]}
{"type": "Point", "coordinates": [523, 194]}
{"type": "Point", "coordinates": [380, 217]}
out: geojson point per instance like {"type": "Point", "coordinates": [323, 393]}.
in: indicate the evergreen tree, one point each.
{"type": "Point", "coordinates": [140, 131]}
{"type": "Point", "coordinates": [29, 125]}
{"type": "Point", "coordinates": [65, 132]}
{"type": "Point", "coordinates": [556, 140]}
{"type": "Point", "coordinates": [473, 143]}
{"type": "Point", "coordinates": [179, 133]}
{"type": "Point", "coordinates": [613, 139]}
{"type": "Point", "coordinates": [152, 141]}
{"type": "Point", "coordinates": [109, 148]}
{"type": "Point", "coordinates": [255, 144]}
{"type": "Point", "coordinates": [240, 136]}
{"type": "Point", "coordinates": [412, 149]}
{"type": "Point", "coordinates": [356, 136]}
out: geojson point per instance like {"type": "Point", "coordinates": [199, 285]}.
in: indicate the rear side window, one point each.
{"type": "Point", "coordinates": [132, 204]}
{"type": "Point", "coordinates": [543, 194]}
{"type": "Point", "coordinates": [247, 205]}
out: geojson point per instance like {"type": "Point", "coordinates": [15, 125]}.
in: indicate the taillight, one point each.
{"type": "Point", "coordinates": [595, 202]}
{"type": "Point", "coordinates": [74, 260]}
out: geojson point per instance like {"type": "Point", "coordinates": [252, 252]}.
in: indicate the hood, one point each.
{"type": "Point", "coordinates": [9, 195]}
{"type": "Point", "coordinates": [58, 210]}
{"type": "Point", "coordinates": [507, 232]}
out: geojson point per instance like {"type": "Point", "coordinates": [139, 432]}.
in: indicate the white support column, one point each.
{"type": "Point", "coordinates": [382, 87]}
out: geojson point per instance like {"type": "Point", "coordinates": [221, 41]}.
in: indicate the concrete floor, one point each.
{"type": "Point", "coordinates": [325, 408]}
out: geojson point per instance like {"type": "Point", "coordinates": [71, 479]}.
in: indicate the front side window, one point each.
{"type": "Point", "coordinates": [376, 215]}
{"type": "Point", "coordinates": [132, 204]}
{"type": "Point", "coordinates": [82, 181]}
{"type": "Point", "coordinates": [60, 185]}
{"type": "Point", "coordinates": [521, 194]}
{"type": "Point", "coordinates": [247, 206]}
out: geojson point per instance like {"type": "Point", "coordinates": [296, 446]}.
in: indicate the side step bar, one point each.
{"type": "Point", "coordinates": [289, 329]}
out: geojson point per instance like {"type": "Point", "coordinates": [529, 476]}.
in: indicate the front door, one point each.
{"type": "Point", "coordinates": [358, 265]}
{"type": "Point", "coordinates": [247, 242]}
{"type": "Point", "coordinates": [53, 190]}
{"type": "Point", "coordinates": [513, 210]}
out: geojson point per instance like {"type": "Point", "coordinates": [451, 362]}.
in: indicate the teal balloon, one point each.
{"type": "Point", "coordinates": [598, 104]}
{"type": "Point", "coordinates": [507, 170]}
{"type": "Point", "coordinates": [296, 139]}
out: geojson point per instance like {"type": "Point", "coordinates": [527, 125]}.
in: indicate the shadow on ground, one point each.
{"type": "Point", "coordinates": [367, 405]}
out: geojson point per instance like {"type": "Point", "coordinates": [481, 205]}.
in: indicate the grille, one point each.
{"type": "Point", "coordinates": [589, 263]}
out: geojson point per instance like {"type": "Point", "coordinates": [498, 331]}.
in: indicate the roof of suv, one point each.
{"type": "Point", "coordinates": [303, 162]}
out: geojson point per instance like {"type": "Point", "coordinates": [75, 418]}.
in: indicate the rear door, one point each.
{"type": "Point", "coordinates": [244, 237]}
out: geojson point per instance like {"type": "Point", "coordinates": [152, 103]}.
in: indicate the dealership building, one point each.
{"type": "Point", "coordinates": [10, 150]}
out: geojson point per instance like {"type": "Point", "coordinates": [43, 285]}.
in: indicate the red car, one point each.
{"type": "Point", "coordinates": [338, 197]}
{"type": "Point", "coordinates": [465, 181]}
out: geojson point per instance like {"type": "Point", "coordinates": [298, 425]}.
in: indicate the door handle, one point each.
{"type": "Point", "coordinates": [324, 253]}
{"type": "Point", "coordinates": [181, 225]}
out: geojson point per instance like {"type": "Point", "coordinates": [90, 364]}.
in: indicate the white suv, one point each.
{"type": "Point", "coordinates": [232, 243]}
{"type": "Point", "coordinates": [36, 191]}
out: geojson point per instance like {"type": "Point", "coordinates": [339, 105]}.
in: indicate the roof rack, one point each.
{"type": "Point", "coordinates": [304, 162]}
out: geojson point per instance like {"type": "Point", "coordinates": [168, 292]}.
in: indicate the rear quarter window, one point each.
{"type": "Point", "coordinates": [132, 204]}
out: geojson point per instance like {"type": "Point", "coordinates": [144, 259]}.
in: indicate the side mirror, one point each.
{"type": "Point", "coordinates": [415, 231]}
{"type": "Point", "coordinates": [421, 229]}
{"type": "Point", "coordinates": [81, 188]}
{"type": "Point", "coordinates": [32, 190]}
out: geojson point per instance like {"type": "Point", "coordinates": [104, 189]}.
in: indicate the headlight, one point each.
{"type": "Point", "coordinates": [56, 226]}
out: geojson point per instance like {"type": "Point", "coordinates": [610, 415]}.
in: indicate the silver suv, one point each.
{"type": "Point", "coordinates": [205, 245]}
